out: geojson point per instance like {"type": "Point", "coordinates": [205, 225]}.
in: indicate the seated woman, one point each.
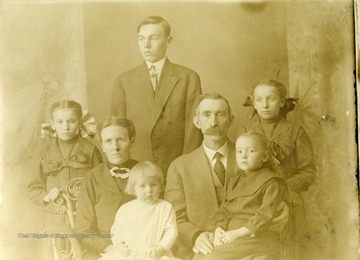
{"type": "Point", "coordinates": [103, 191]}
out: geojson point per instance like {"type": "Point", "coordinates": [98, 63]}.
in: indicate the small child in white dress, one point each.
{"type": "Point", "coordinates": [144, 228]}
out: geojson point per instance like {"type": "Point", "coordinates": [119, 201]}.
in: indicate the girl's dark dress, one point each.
{"type": "Point", "coordinates": [60, 162]}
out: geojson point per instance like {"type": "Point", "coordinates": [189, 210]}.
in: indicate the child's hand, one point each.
{"type": "Point", "coordinates": [232, 235]}
{"type": "Point", "coordinates": [217, 237]}
{"type": "Point", "coordinates": [157, 252]}
{"type": "Point", "coordinates": [108, 249]}
{"type": "Point", "coordinates": [123, 249]}
{"type": "Point", "coordinates": [52, 195]}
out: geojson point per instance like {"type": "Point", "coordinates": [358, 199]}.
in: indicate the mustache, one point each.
{"type": "Point", "coordinates": [213, 131]}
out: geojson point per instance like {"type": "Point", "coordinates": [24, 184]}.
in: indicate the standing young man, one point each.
{"type": "Point", "coordinates": [158, 96]}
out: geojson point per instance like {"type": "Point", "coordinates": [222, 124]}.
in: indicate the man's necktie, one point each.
{"type": "Point", "coordinates": [153, 77]}
{"type": "Point", "coordinates": [219, 168]}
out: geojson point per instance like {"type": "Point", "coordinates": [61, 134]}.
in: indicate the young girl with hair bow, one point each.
{"type": "Point", "coordinates": [64, 157]}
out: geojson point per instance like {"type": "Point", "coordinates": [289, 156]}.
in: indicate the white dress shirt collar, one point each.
{"type": "Point", "coordinates": [158, 65]}
{"type": "Point", "coordinates": [211, 153]}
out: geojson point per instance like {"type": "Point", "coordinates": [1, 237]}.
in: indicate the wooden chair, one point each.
{"type": "Point", "coordinates": [67, 246]}
{"type": "Point", "coordinates": [289, 237]}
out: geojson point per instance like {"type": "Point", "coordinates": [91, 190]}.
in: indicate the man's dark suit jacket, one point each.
{"type": "Point", "coordinates": [190, 189]}
{"type": "Point", "coordinates": [163, 120]}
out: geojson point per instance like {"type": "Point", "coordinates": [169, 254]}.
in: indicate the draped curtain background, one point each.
{"type": "Point", "coordinates": [75, 50]}
{"type": "Point", "coordinates": [42, 60]}
{"type": "Point", "coordinates": [320, 45]}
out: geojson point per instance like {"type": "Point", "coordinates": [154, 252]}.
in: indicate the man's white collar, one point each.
{"type": "Point", "coordinates": [158, 65]}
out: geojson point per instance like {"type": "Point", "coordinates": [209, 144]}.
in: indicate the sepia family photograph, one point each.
{"type": "Point", "coordinates": [179, 129]}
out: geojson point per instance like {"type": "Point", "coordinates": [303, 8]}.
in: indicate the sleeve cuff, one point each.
{"type": "Point", "coordinates": [41, 197]}
{"type": "Point", "coordinates": [252, 228]}
{"type": "Point", "coordinates": [104, 245]}
{"type": "Point", "coordinates": [195, 236]}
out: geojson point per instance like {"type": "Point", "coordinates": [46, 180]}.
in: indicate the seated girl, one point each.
{"type": "Point", "coordinates": [250, 205]}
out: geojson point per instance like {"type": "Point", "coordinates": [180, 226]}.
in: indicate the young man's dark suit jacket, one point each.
{"type": "Point", "coordinates": [191, 191]}
{"type": "Point", "coordinates": [163, 121]}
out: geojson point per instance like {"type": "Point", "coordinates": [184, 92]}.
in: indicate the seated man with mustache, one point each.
{"type": "Point", "coordinates": [196, 181]}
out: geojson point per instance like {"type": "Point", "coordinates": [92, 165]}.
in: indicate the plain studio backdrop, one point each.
{"type": "Point", "coordinates": [51, 51]}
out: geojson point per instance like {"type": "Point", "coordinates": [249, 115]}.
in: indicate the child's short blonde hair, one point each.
{"type": "Point", "coordinates": [258, 137]}
{"type": "Point", "coordinates": [261, 139]}
{"type": "Point", "coordinates": [144, 170]}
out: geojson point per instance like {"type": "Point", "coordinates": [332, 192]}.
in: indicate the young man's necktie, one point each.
{"type": "Point", "coordinates": [153, 77]}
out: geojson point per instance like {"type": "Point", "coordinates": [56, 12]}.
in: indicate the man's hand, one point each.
{"type": "Point", "coordinates": [203, 243]}
{"type": "Point", "coordinates": [281, 220]}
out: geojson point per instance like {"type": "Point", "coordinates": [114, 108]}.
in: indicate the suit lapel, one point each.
{"type": "Point", "coordinates": [143, 82]}
{"type": "Point", "coordinates": [231, 162]}
{"type": "Point", "coordinates": [202, 172]}
{"type": "Point", "coordinates": [166, 84]}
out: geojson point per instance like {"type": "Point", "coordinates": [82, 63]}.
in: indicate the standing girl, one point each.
{"type": "Point", "coordinates": [289, 144]}
{"type": "Point", "coordinates": [144, 228]}
{"type": "Point", "coordinates": [63, 158]}
{"type": "Point", "coordinates": [250, 205]}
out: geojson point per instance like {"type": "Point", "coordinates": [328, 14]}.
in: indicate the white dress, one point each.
{"type": "Point", "coordinates": [142, 227]}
